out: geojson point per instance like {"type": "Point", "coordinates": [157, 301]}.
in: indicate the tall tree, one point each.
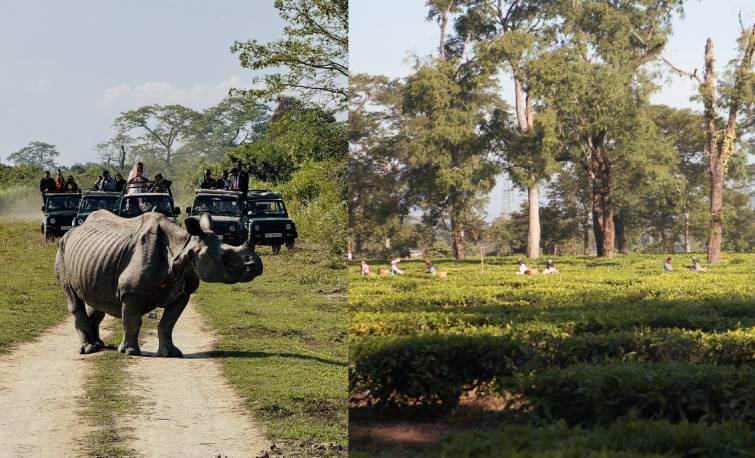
{"type": "Point", "coordinates": [38, 154]}
{"type": "Point", "coordinates": [511, 34]}
{"type": "Point", "coordinates": [161, 125]}
{"type": "Point", "coordinates": [237, 120]}
{"type": "Point", "coordinates": [685, 131]}
{"type": "Point", "coordinates": [113, 152]}
{"type": "Point", "coordinates": [445, 106]}
{"type": "Point", "coordinates": [602, 49]}
{"type": "Point", "coordinates": [313, 50]}
{"type": "Point", "coordinates": [735, 96]}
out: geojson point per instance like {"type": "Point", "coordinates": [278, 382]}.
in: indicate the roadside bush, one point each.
{"type": "Point", "coordinates": [625, 437]}
{"type": "Point", "coordinates": [595, 394]}
{"type": "Point", "coordinates": [316, 202]}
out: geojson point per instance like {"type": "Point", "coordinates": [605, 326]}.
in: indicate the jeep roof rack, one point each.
{"type": "Point", "coordinates": [221, 192]}
{"type": "Point", "coordinates": [263, 194]}
{"type": "Point", "coordinates": [101, 193]}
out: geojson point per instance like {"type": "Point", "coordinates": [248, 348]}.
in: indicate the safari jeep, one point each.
{"type": "Point", "coordinates": [267, 220]}
{"type": "Point", "coordinates": [228, 220]}
{"type": "Point", "coordinates": [135, 204]}
{"type": "Point", "coordinates": [59, 212]}
{"type": "Point", "coordinates": [96, 200]}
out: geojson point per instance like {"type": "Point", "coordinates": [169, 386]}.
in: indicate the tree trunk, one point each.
{"type": "Point", "coordinates": [457, 234]}
{"type": "Point", "coordinates": [716, 209]}
{"type": "Point", "coordinates": [602, 203]}
{"type": "Point", "coordinates": [443, 22]}
{"type": "Point", "coordinates": [686, 227]}
{"type": "Point", "coordinates": [533, 230]}
{"type": "Point", "coordinates": [621, 236]}
{"type": "Point", "coordinates": [586, 231]}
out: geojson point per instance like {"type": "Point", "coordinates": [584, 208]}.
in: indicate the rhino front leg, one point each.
{"type": "Point", "coordinates": [165, 327]}
{"type": "Point", "coordinates": [131, 315]}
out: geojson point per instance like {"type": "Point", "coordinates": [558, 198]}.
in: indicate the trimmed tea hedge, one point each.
{"type": "Point", "coordinates": [625, 437]}
{"type": "Point", "coordinates": [590, 394]}
{"type": "Point", "coordinates": [429, 370]}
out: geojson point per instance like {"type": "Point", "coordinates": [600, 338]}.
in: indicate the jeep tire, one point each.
{"type": "Point", "coordinates": [276, 248]}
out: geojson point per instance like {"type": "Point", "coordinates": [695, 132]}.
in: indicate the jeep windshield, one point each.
{"type": "Point", "coordinates": [63, 203]}
{"type": "Point", "coordinates": [216, 205]}
{"type": "Point", "coordinates": [90, 204]}
{"type": "Point", "coordinates": [266, 207]}
{"type": "Point", "coordinates": [136, 205]}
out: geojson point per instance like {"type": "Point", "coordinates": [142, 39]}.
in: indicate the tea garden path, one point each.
{"type": "Point", "coordinates": [185, 407]}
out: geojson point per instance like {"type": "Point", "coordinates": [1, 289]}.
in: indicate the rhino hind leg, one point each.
{"type": "Point", "coordinates": [96, 316]}
{"type": "Point", "coordinates": [86, 326]}
{"type": "Point", "coordinates": [131, 315]}
{"type": "Point", "coordinates": [165, 328]}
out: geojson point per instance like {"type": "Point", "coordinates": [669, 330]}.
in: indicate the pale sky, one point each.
{"type": "Point", "coordinates": [70, 67]}
{"type": "Point", "coordinates": [385, 35]}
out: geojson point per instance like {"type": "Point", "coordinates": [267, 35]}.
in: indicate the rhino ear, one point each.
{"type": "Point", "coordinates": [193, 226]}
{"type": "Point", "coordinates": [205, 222]}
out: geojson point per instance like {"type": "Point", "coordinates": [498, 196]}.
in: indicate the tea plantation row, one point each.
{"type": "Point", "coordinates": [588, 348]}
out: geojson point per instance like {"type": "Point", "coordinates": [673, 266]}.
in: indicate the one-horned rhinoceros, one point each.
{"type": "Point", "coordinates": [128, 267]}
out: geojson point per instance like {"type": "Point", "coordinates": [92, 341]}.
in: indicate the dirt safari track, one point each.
{"type": "Point", "coordinates": [186, 408]}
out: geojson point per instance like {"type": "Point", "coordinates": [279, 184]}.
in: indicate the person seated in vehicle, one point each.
{"type": "Point", "coordinates": [364, 269]}
{"type": "Point", "coordinates": [667, 267]}
{"type": "Point", "coordinates": [47, 184]}
{"type": "Point", "coordinates": [696, 266]}
{"type": "Point", "coordinates": [429, 267]}
{"type": "Point", "coordinates": [549, 267]}
{"type": "Point", "coordinates": [107, 183]}
{"type": "Point", "coordinates": [394, 267]}
{"type": "Point", "coordinates": [71, 185]}
{"type": "Point", "coordinates": [207, 181]}
{"type": "Point", "coordinates": [120, 183]}
{"type": "Point", "coordinates": [160, 185]}
{"type": "Point", "coordinates": [60, 182]}
{"type": "Point", "coordinates": [137, 179]}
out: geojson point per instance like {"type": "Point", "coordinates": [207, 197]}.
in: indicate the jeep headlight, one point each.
{"type": "Point", "coordinates": [256, 227]}
{"type": "Point", "coordinates": [232, 229]}
{"type": "Point", "coordinates": [51, 220]}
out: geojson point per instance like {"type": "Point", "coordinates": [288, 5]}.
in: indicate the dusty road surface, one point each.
{"type": "Point", "coordinates": [41, 384]}
{"type": "Point", "coordinates": [186, 408]}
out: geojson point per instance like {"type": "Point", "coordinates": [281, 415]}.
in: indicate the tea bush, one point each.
{"type": "Point", "coordinates": [602, 340]}
{"type": "Point", "coordinates": [627, 437]}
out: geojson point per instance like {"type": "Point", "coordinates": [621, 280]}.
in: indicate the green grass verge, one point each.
{"type": "Point", "coordinates": [283, 346]}
{"type": "Point", "coordinates": [30, 298]}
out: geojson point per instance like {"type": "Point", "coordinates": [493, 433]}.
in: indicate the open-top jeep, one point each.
{"type": "Point", "coordinates": [267, 220]}
{"type": "Point", "coordinates": [134, 204]}
{"type": "Point", "coordinates": [96, 200]}
{"type": "Point", "coordinates": [228, 220]}
{"type": "Point", "coordinates": [59, 211]}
